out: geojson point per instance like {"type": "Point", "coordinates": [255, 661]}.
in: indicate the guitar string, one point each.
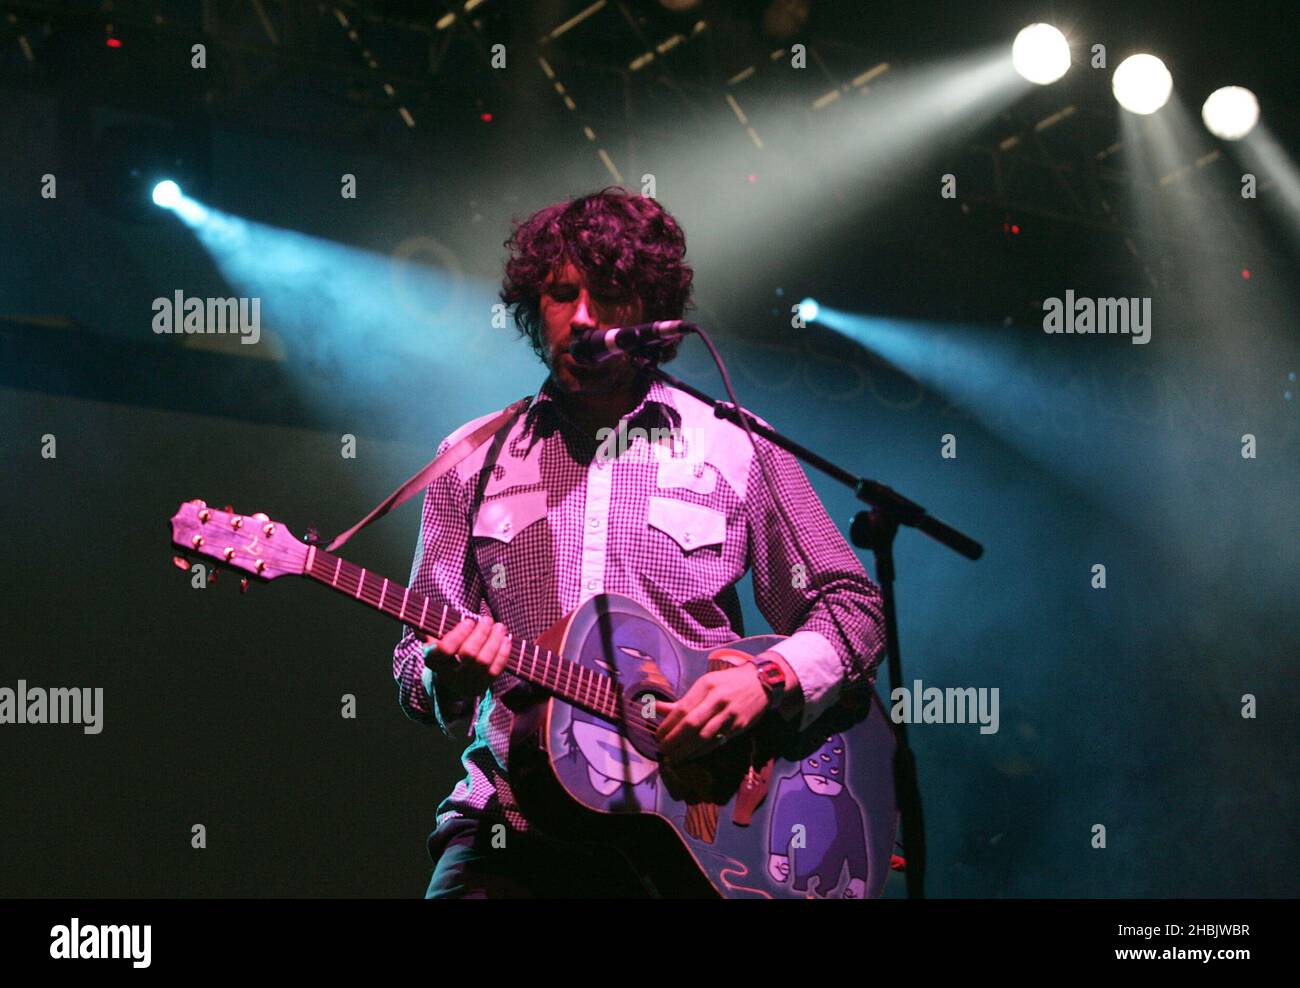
{"type": "Point", "coordinates": [588, 695]}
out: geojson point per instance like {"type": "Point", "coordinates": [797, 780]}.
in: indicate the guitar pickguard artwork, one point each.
{"type": "Point", "coordinates": [602, 768]}
{"type": "Point", "coordinates": [817, 826]}
{"type": "Point", "coordinates": [802, 815]}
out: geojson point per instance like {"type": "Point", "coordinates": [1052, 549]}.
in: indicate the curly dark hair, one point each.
{"type": "Point", "coordinates": [627, 246]}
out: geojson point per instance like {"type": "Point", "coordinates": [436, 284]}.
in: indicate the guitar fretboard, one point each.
{"type": "Point", "coordinates": [570, 681]}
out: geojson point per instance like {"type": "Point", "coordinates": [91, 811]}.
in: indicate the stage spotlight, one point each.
{"type": "Point", "coordinates": [1040, 54]}
{"type": "Point", "coordinates": [132, 168]}
{"type": "Point", "coordinates": [1230, 113]}
{"type": "Point", "coordinates": [166, 194]}
{"type": "Point", "coordinates": [808, 310]}
{"type": "Point", "coordinates": [1142, 84]}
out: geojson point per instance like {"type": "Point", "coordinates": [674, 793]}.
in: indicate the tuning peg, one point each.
{"type": "Point", "coordinates": [243, 584]}
{"type": "Point", "coordinates": [199, 503]}
{"type": "Point", "coordinates": [261, 516]}
{"type": "Point", "coordinates": [313, 535]}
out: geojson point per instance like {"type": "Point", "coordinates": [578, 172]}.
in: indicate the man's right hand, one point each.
{"type": "Point", "coordinates": [469, 657]}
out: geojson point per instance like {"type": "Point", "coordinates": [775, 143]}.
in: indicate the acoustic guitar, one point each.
{"type": "Point", "coordinates": [776, 812]}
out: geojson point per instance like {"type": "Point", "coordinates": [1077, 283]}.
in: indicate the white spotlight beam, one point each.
{"type": "Point", "coordinates": [1230, 113]}
{"type": "Point", "coordinates": [1141, 84]}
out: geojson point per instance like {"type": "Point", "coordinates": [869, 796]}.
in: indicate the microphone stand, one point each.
{"type": "Point", "coordinates": [875, 530]}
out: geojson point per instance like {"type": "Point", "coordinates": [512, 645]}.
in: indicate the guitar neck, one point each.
{"type": "Point", "coordinates": [586, 688]}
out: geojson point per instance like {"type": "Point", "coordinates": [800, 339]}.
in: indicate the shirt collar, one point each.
{"type": "Point", "coordinates": [656, 409]}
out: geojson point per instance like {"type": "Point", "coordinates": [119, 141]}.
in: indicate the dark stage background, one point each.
{"type": "Point", "coordinates": [1119, 706]}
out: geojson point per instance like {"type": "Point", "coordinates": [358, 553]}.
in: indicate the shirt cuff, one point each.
{"type": "Point", "coordinates": [817, 664]}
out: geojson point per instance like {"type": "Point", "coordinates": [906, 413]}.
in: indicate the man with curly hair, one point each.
{"type": "Point", "coordinates": [558, 516]}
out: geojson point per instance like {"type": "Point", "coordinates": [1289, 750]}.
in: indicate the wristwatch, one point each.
{"type": "Point", "coordinates": [772, 676]}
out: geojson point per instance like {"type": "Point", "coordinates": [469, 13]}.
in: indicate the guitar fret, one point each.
{"type": "Point", "coordinates": [402, 613]}
{"type": "Point", "coordinates": [423, 611]}
{"type": "Point", "coordinates": [443, 622]}
{"type": "Point", "coordinates": [533, 670]}
{"type": "Point", "coordinates": [382, 592]}
{"type": "Point", "coordinates": [361, 582]}
{"type": "Point", "coordinates": [338, 564]}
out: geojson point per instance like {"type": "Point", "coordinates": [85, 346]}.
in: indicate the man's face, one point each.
{"type": "Point", "coordinates": [568, 308]}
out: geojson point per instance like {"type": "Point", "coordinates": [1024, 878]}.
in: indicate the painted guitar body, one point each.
{"type": "Point", "coordinates": [774, 813]}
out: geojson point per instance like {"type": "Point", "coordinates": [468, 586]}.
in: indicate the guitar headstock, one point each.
{"type": "Point", "coordinates": [252, 543]}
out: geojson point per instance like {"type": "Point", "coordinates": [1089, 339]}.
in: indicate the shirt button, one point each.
{"type": "Point", "coordinates": [591, 584]}
{"type": "Point", "coordinates": [688, 538]}
{"type": "Point", "coordinates": [595, 522]}
{"type": "Point", "coordinates": [505, 526]}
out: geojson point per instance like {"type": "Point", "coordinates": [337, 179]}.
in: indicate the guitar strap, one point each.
{"type": "Point", "coordinates": [436, 467]}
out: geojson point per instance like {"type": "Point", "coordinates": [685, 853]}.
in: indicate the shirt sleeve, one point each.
{"type": "Point", "coordinates": [829, 607]}
{"type": "Point", "coordinates": [443, 569]}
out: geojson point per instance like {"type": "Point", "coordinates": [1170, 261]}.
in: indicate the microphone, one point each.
{"type": "Point", "coordinates": [595, 346]}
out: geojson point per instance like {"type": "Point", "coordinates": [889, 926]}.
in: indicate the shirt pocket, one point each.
{"type": "Point", "coordinates": [693, 476]}
{"type": "Point", "coordinates": [691, 526]}
{"type": "Point", "coordinates": [504, 518]}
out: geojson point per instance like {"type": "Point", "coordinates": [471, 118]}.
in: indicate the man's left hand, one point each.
{"type": "Point", "coordinates": [718, 706]}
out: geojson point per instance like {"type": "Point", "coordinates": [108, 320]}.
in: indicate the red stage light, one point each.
{"type": "Point", "coordinates": [1245, 273]}
{"type": "Point", "coordinates": [485, 117]}
{"type": "Point", "coordinates": [114, 43]}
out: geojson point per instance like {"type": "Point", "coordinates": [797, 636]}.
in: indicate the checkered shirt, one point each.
{"type": "Point", "coordinates": [671, 510]}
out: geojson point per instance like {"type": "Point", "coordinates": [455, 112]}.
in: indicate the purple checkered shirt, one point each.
{"type": "Point", "coordinates": [670, 510]}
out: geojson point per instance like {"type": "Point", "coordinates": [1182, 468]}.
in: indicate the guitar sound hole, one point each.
{"type": "Point", "coordinates": [641, 720]}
